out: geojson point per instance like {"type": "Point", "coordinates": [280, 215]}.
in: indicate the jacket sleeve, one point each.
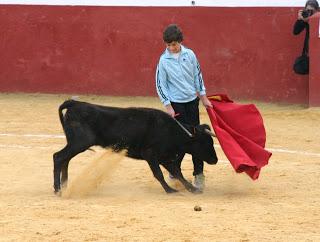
{"type": "Point", "coordinates": [299, 26]}
{"type": "Point", "coordinates": [161, 84]}
{"type": "Point", "coordinates": [198, 79]}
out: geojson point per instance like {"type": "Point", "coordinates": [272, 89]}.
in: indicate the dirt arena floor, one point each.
{"type": "Point", "coordinates": [112, 198]}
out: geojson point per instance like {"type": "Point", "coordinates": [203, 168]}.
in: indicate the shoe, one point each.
{"type": "Point", "coordinates": [199, 181]}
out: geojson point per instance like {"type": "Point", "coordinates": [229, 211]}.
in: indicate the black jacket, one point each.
{"type": "Point", "coordinates": [298, 27]}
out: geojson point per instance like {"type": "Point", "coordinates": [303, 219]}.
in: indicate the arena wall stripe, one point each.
{"type": "Point", "coordinates": [314, 54]}
{"type": "Point", "coordinates": [52, 136]}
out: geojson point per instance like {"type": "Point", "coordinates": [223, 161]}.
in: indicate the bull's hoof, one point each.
{"type": "Point", "coordinates": [57, 193]}
{"type": "Point", "coordinates": [64, 185]}
{"type": "Point", "coordinates": [171, 190]}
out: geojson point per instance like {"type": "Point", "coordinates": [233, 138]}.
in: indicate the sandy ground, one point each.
{"type": "Point", "coordinates": [112, 198]}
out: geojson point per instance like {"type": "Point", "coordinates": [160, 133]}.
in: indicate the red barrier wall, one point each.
{"type": "Point", "coordinates": [246, 52]}
{"type": "Point", "coordinates": [314, 76]}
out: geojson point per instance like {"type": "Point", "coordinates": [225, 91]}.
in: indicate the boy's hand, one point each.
{"type": "Point", "coordinates": [205, 101]}
{"type": "Point", "coordinates": [170, 110]}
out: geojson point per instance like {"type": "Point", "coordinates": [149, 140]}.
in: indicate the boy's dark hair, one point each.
{"type": "Point", "coordinates": [172, 33]}
{"type": "Point", "coordinates": [313, 3]}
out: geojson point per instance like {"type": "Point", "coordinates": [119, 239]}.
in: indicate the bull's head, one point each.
{"type": "Point", "coordinates": [202, 144]}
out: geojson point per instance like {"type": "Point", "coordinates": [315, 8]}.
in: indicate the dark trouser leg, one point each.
{"type": "Point", "coordinates": [189, 114]}
{"type": "Point", "coordinates": [181, 109]}
{"type": "Point", "coordinates": [197, 166]}
{"type": "Point", "coordinates": [181, 112]}
{"type": "Point", "coordinates": [192, 112]}
{"type": "Point", "coordinates": [194, 119]}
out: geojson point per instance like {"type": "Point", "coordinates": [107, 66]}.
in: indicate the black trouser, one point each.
{"type": "Point", "coordinates": [189, 114]}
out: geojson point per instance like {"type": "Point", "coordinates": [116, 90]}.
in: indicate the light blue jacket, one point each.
{"type": "Point", "coordinates": [179, 80]}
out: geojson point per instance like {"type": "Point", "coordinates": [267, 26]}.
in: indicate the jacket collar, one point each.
{"type": "Point", "coordinates": [168, 55]}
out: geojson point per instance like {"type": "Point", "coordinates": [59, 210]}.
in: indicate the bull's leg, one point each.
{"type": "Point", "coordinates": [58, 160]}
{"type": "Point", "coordinates": [175, 170]}
{"type": "Point", "coordinates": [64, 174]}
{"type": "Point", "coordinates": [147, 154]}
{"type": "Point", "coordinates": [60, 163]}
{"type": "Point", "coordinates": [159, 176]}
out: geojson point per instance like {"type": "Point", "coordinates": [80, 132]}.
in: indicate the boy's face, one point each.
{"type": "Point", "coordinates": [173, 47]}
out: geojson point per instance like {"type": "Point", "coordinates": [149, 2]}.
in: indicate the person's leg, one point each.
{"type": "Point", "coordinates": [181, 112]}
{"type": "Point", "coordinates": [180, 109]}
{"type": "Point", "coordinates": [197, 166]}
{"type": "Point", "coordinates": [192, 112]}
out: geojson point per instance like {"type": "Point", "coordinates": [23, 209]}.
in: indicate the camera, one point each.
{"type": "Point", "coordinates": [306, 13]}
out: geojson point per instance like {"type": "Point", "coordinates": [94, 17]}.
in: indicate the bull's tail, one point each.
{"type": "Point", "coordinates": [66, 128]}
{"type": "Point", "coordinates": [67, 104]}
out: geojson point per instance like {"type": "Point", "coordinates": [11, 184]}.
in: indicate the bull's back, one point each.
{"type": "Point", "coordinates": [133, 126]}
{"type": "Point", "coordinates": [124, 127]}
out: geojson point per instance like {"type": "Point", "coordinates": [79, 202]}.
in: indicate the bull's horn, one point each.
{"type": "Point", "coordinates": [210, 132]}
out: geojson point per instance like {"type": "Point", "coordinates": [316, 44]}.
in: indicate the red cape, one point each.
{"type": "Point", "coordinates": [241, 134]}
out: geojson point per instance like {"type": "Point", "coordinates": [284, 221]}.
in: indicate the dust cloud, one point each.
{"type": "Point", "coordinates": [93, 175]}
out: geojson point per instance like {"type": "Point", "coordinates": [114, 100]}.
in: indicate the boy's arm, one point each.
{"type": "Point", "coordinates": [161, 84]}
{"type": "Point", "coordinates": [170, 110]}
{"type": "Point", "coordinates": [205, 101]}
{"type": "Point", "coordinates": [200, 84]}
{"type": "Point", "coordinates": [198, 77]}
{"type": "Point", "coordinates": [162, 89]}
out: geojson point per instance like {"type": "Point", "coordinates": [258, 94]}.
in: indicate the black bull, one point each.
{"type": "Point", "coordinates": [145, 133]}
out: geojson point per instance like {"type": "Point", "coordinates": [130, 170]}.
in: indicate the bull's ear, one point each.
{"type": "Point", "coordinates": [206, 128]}
{"type": "Point", "coordinates": [210, 132]}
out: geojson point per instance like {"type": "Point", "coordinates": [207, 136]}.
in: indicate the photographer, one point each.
{"type": "Point", "coordinates": [301, 65]}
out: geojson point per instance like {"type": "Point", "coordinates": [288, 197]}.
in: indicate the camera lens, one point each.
{"type": "Point", "coordinates": [310, 12]}
{"type": "Point", "coordinates": [305, 13]}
